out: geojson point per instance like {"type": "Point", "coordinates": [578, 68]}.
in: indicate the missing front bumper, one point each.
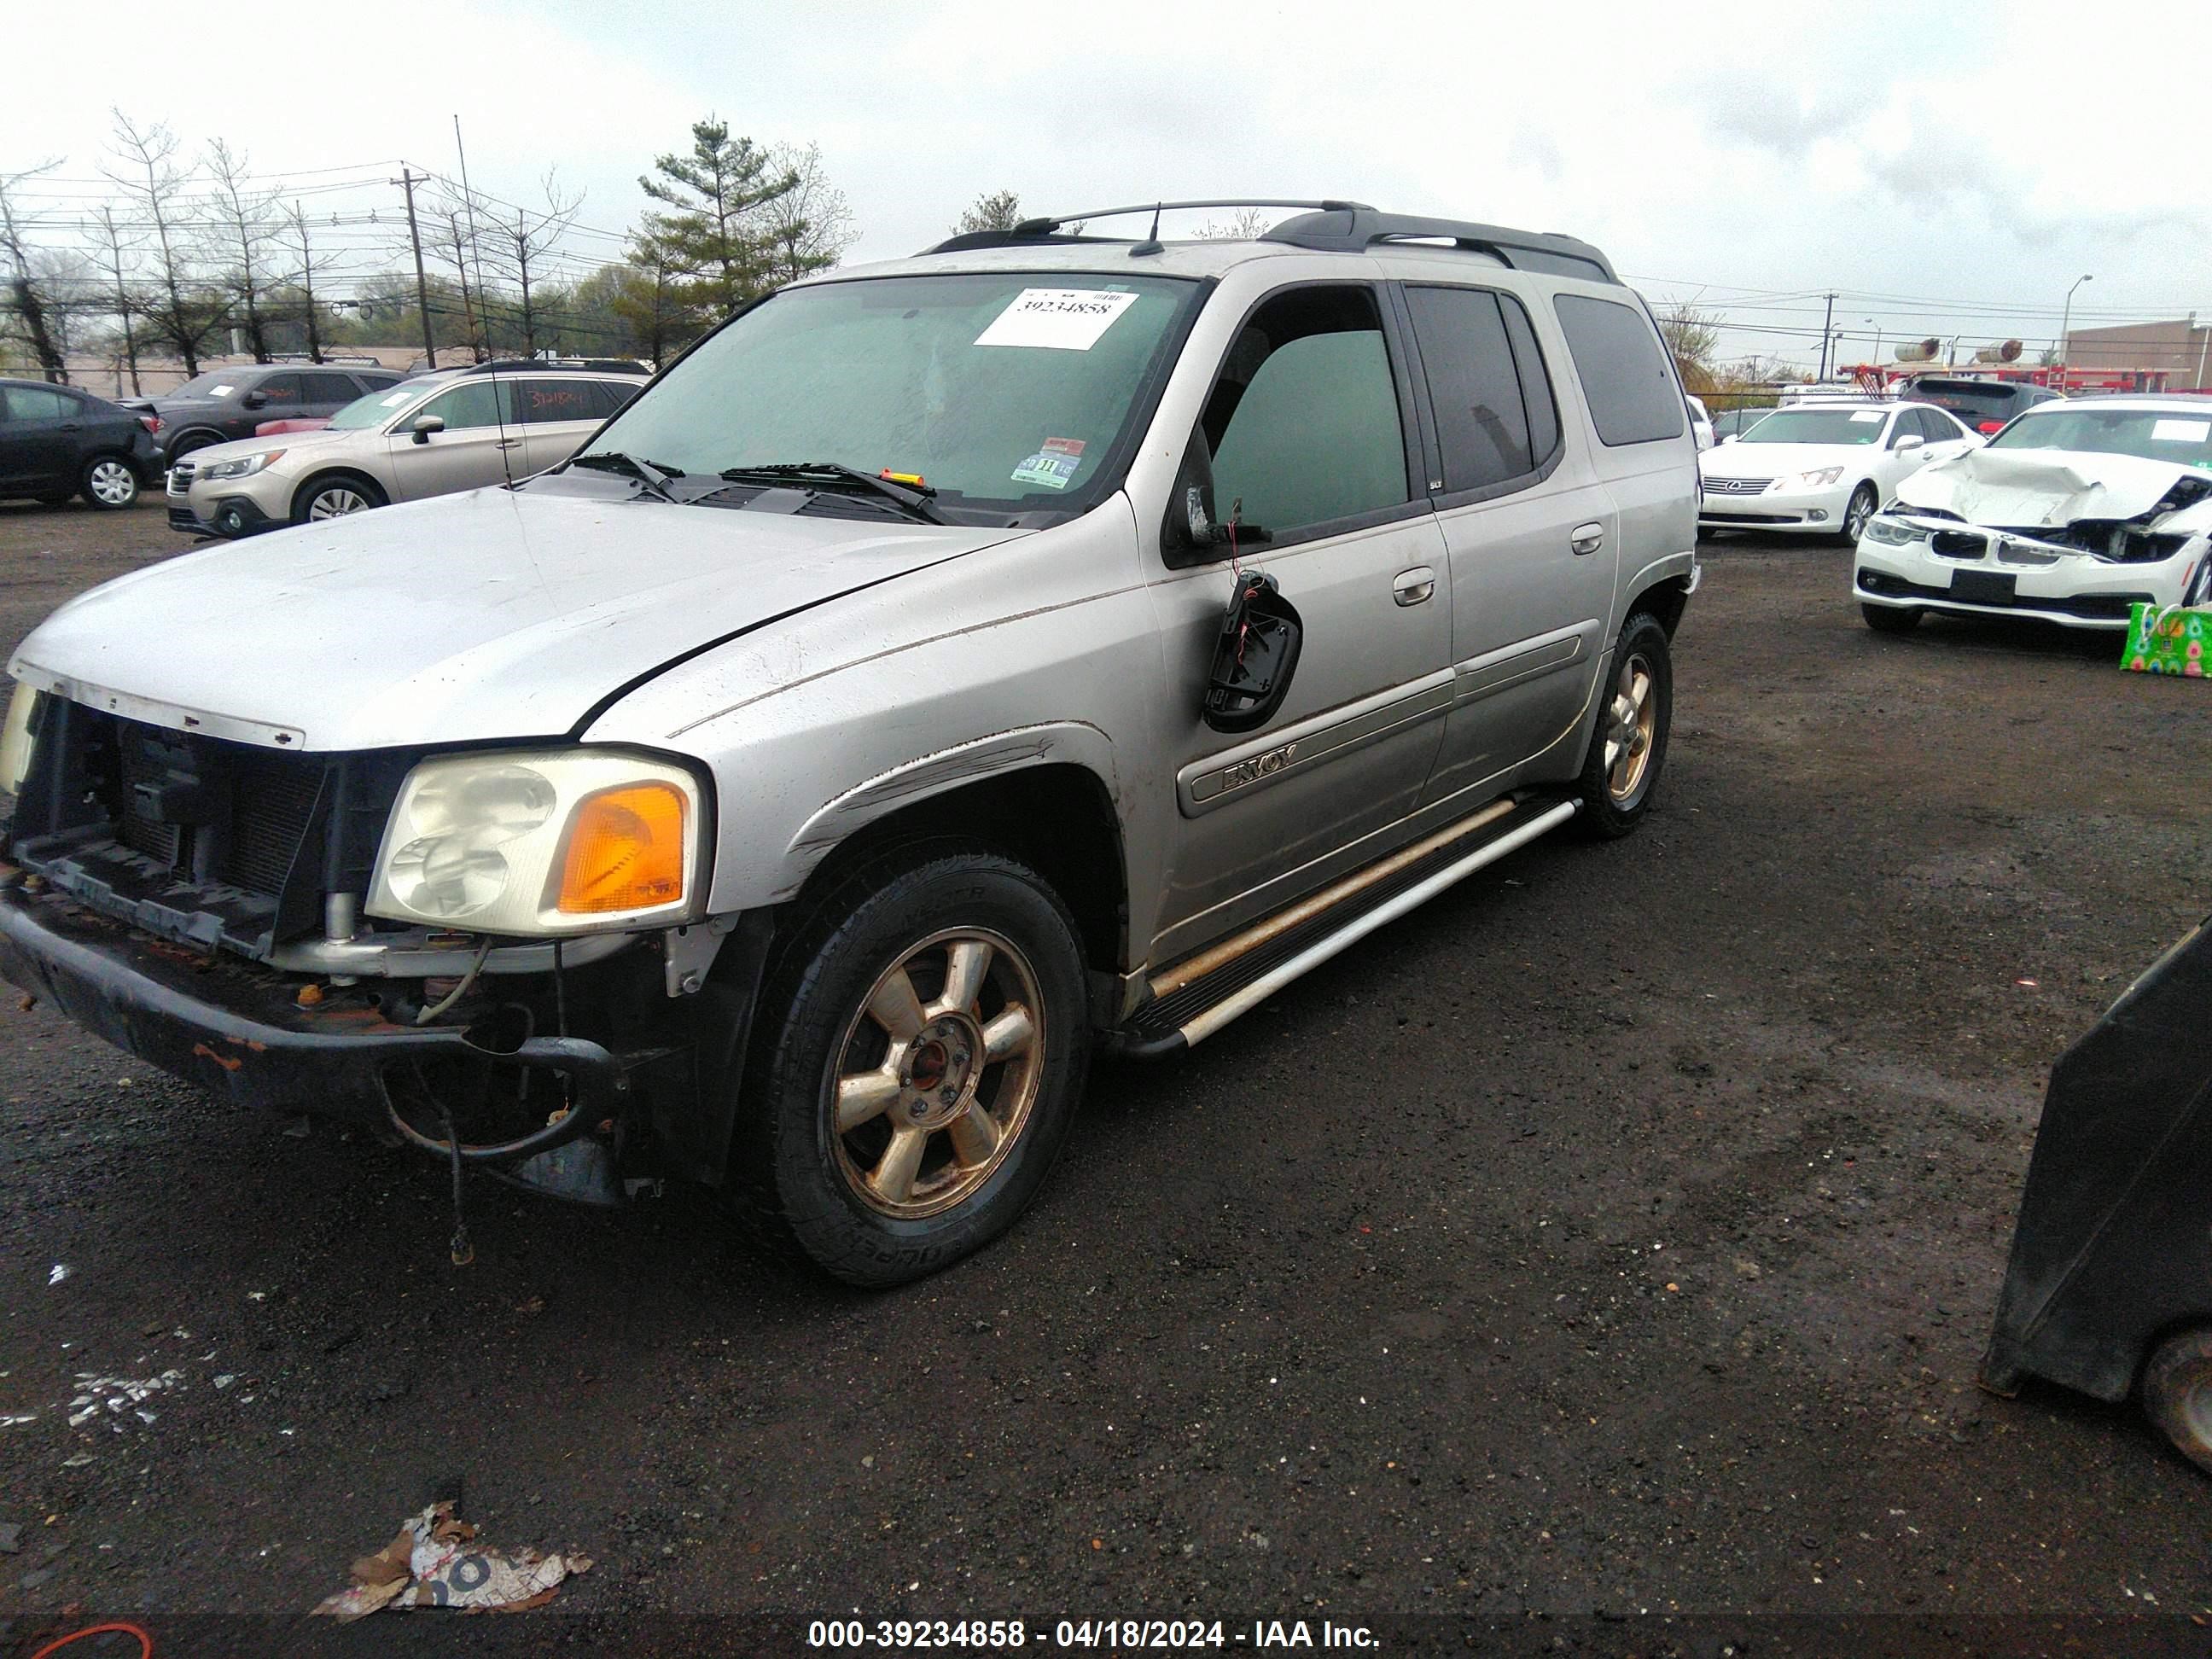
{"type": "Point", "coordinates": [240, 1032]}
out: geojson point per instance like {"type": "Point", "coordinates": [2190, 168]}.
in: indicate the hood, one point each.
{"type": "Point", "coordinates": [292, 443]}
{"type": "Point", "coordinates": [490, 615]}
{"type": "Point", "coordinates": [2043, 489]}
{"type": "Point", "coordinates": [1743, 461]}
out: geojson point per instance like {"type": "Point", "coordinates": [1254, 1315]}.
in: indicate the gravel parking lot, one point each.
{"type": "Point", "coordinates": [1616, 1235]}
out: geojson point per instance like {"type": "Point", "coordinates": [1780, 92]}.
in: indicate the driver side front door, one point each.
{"type": "Point", "coordinates": [1308, 435]}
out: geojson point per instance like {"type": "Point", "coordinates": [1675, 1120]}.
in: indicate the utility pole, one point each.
{"type": "Point", "coordinates": [1827, 331]}
{"type": "Point", "coordinates": [407, 181]}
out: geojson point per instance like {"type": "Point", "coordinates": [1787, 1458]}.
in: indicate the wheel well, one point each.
{"type": "Point", "coordinates": [199, 437]}
{"type": "Point", "coordinates": [1057, 819]}
{"type": "Point", "coordinates": [334, 475]}
{"type": "Point", "coordinates": [1665, 600]}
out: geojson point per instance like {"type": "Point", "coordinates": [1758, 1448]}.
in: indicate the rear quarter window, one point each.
{"type": "Point", "coordinates": [1626, 379]}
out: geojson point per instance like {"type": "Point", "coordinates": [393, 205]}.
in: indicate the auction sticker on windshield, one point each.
{"type": "Point", "coordinates": [1866, 415]}
{"type": "Point", "coordinates": [1064, 318]}
{"type": "Point", "coordinates": [2180, 432]}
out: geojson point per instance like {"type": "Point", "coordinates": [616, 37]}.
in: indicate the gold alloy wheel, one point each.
{"type": "Point", "coordinates": [1632, 723]}
{"type": "Point", "coordinates": [937, 1074]}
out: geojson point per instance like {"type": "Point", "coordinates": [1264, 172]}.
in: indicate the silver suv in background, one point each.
{"type": "Point", "coordinates": [945, 668]}
{"type": "Point", "coordinates": [461, 429]}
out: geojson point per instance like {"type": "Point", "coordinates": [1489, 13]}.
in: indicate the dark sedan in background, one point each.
{"type": "Point", "coordinates": [57, 441]}
{"type": "Point", "coordinates": [224, 403]}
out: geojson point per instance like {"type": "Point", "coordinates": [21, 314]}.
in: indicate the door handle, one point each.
{"type": "Point", "coordinates": [510, 443]}
{"type": "Point", "coordinates": [1587, 538]}
{"type": "Point", "coordinates": [1414, 586]}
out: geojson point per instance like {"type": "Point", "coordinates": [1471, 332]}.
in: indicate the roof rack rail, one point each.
{"type": "Point", "coordinates": [1350, 229]}
{"type": "Point", "coordinates": [1328, 227]}
{"type": "Point", "coordinates": [1030, 231]}
{"type": "Point", "coordinates": [554, 365]}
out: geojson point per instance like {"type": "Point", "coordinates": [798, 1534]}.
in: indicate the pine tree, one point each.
{"type": "Point", "coordinates": [710, 240]}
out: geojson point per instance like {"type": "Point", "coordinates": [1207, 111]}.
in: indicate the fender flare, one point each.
{"type": "Point", "coordinates": [1048, 742]}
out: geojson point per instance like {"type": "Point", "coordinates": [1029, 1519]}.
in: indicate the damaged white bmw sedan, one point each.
{"type": "Point", "coordinates": [2075, 513]}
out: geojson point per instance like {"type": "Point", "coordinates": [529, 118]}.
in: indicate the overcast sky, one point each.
{"type": "Point", "coordinates": [1951, 168]}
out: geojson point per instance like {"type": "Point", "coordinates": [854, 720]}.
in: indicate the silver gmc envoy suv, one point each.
{"type": "Point", "coordinates": [945, 668]}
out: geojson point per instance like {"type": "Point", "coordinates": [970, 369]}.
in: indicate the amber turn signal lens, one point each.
{"type": "Point", "coordinates": [625, 851]}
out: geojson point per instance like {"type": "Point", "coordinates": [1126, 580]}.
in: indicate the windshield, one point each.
{"type": "Point", "coordinates": [1818, 426]}
{"type": "Point", "coordinates": [1001, 391]}
{"type": "Point", "coordinates": [375, 409]}
{"type": "Point", "coordinates": [216, 383]}
{"type": "Point", "coordinates": [2156, 434]}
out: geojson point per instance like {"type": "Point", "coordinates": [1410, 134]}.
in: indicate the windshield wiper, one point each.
{"type": "Point", "coordinates": [651, 474]}
{"type": "Point", "coordinates": [914, 498]}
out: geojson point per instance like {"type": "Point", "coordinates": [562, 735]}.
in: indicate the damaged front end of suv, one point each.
{"type": "Point", "coordinates": [506, 936]}
{"type": "Point", "coordinates": [2075, 536]}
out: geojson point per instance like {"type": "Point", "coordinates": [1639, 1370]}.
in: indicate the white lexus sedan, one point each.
{"type": "Point", "coordinates": [1824, 468]}
{"type": "Point", "coordinates": [2076, 511]}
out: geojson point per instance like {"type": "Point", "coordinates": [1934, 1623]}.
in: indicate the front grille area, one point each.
{"type": "Point", "coordinates": [196, 838]}
{"type": "Point", "coordinates": [1737, 486]}
{"type": "Point", "coordinates": [181, 478]}
{"type": "Point", "coordinates": [2090, 607]}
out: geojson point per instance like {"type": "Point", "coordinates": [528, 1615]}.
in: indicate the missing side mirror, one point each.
{"type": "Point", "coordinates": [1254, 657]}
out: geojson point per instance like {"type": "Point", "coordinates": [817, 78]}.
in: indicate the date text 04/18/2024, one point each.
{"type": "Point", "coordinates": [1087, 1634]}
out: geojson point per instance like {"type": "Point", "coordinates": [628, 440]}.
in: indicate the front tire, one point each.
{"type": "Point", "coordinates": [334, 498]}
{"type": "Point", "coordinates": [1856, 512]}
{"type": "Point", "coordinates": [1630, 744]}
{"type": "Point", "coordinates": [109, 483]}
{"type": "Point", "coordinates": [2176, 1391]}
{"type": "Point", "coordinates": [921, 1048]}
{"type": "Point", "coordinates": [1890, 618]}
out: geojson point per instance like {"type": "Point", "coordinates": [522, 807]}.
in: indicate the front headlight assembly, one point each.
{"type": "Point", "coordinates": [15, 741]}
{"type": "Point", "coordinates": [244, 467]}
{"type": "Point", "coordinates": [1819, 479]}
{"type": "Point", "coordinates": [1893, 533]}
{"type": "Point", "coordinates": [578, 841]}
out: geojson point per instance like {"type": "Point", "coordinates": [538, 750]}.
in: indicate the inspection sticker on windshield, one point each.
{"type": "Point", "coordinates": [1866, 414]}
{"type": "Point", "coordinates": [1049, 469]}
{"type": "Point", "coordinates": [1064, 318]}
{"type": "Point", "coordinates": [2180, 432]}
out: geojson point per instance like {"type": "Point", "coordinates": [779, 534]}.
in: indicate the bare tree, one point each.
{"type": "Point", "coordinates": [1245, 225]}
{"type": "Point", "coordinates": [448, 240]}
{"type": "Point", "coordinates": [995, 209]}
{"type": "Point", "coordinates": [28, 310]}
{"type": "Point", "coordinates": [810, 226]}
{"type": "Point", "coordinates": [68, 283]}
{"type": "Point", "coordinates": [1694, 338]}
{"type": "Point", "coordinates": [529, 244]}
{"type": "Point", "coordinates": [245, 222]}
{"type": "Point", "coordinates": [179, 310]}
{"type": "Point", "coordinates": [299, 245]}
{"type": "Point", "coordinates": [118, 245]}
{"type": "Point", "coordinates": [649, 301]}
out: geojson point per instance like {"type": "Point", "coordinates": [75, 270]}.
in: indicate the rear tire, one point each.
{"type": "Point", "coordinates": [2177, 1390]}
{"type": "Point", "coordinates": [920, 1051]}
{"type": "Point", "coordinates": [1630, 744]}
{"type": "Point", "coordinates": [108, 484]}
{"type": "Point", "coordinates": [1889, 618]}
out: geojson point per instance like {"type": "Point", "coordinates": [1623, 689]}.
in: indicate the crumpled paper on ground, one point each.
{"type": "Point", "coordinates": [434, 1562]}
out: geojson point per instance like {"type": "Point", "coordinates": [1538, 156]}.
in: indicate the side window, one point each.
{"type": "Point", "coordinates": [376, 379]}
{"type": "Point", "coordinates": [1304, 423]}
{"type": "Point", "coordinates": [472, 404]}
{"type": "Point", "coordinates": [329, 388]}
{"type": "Point", "coordinates": [544, 403]}
{"type": "Point", "coordinates": [1474, 386]}
{"type": "Point", "coordinates": [1626, 376]}
{"type": "Point", "coordinates": [608, 396]}
{"type": "Point", "coordinates": [1535, 382]}
{"type": "Point", "coordinates": [283, 391]}
{"type": "Point", "coordinates": [38, 403]}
